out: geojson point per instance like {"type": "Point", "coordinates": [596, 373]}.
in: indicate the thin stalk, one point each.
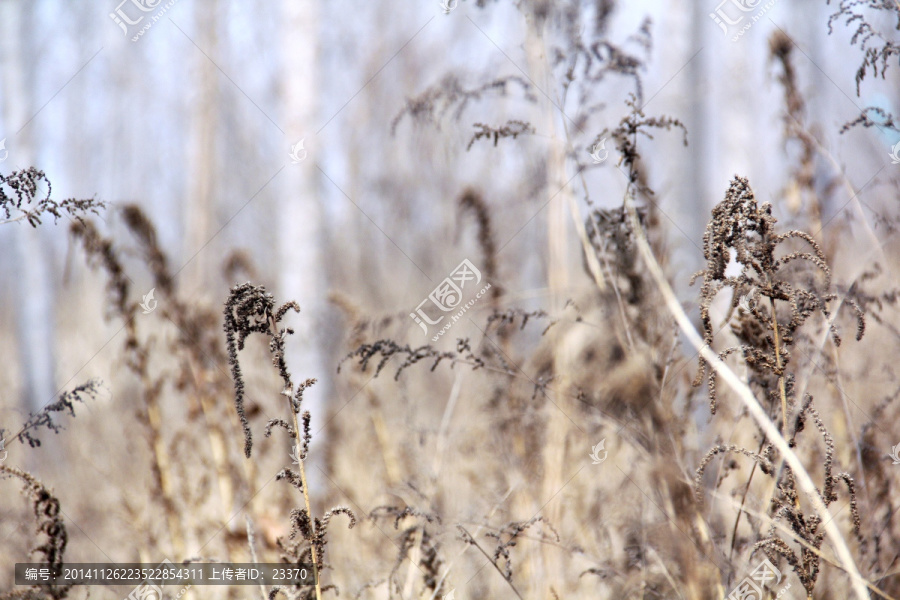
{"type": "Point", "coordinates": [216, 440]}
{"type": "Point", "coordinates": [493, 564]}
{"type": "Point", "coordinates": [745, 394]}
{"type": "Point", "coordinates": [298, 450]}
{"type": "Point", "coordinates": [21, 217]}
{"type": "Point", "coordinates": [787, 531]}
{"type": "Point", "coordinates": [251, 543]}
{"type": "Point", "coordinates": [312, 526]}
{"type": "Point", "coordinates": [781, 388]}
{"type": "Point", "coordinates": [163, 473]}
{"type": "Point", "coordinates": [743, 500]}
{"type": "Point", "coordinates": [783, 394]}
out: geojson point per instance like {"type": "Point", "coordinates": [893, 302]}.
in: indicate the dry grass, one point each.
{"type": "Point", "coordinates": [472, 467]}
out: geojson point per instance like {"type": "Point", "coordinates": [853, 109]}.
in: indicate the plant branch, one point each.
{"type": "Point", "coordinates": [746, 396]}
{"type": "Point", "coordinates": [778, 367]}
{"type": "Point", "coordinates": [472, 541]}
{"type": "Point", "coordinates": [301, 459]}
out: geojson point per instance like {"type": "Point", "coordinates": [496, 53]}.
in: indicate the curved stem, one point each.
{"type": "Point", "coordinates": [745, 394]}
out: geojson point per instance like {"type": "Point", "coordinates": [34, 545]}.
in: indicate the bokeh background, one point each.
{"type": "Point", "coordinates": [301, 144]}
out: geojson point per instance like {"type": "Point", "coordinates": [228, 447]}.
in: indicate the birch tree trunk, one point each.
{"type": "Point", "coordinates": [543, 574]}
{"type": "Point", "coordinates": [203, 171]}
{"type": "Point", "coordinates": [299, 219]}
{"type": "Point", "coordinates": [34, 312]}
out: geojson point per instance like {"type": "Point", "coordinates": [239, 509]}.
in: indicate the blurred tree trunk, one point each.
{"type": "Point", "coordinates": [544, 574]}
{"type": "Point", "coordinates": [546, 122]}
{"type": "Point", "coordinates": [34, 310]}
{"type": "Point", "coordinates": [699, 194]}
{"type": "Point", "coordinates": [299, 222]}
{"type": "Point", "coordinates": [203, 170]}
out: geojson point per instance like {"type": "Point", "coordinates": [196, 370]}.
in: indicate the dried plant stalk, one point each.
{"type": "Point", "coordinates": [745, 394]}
